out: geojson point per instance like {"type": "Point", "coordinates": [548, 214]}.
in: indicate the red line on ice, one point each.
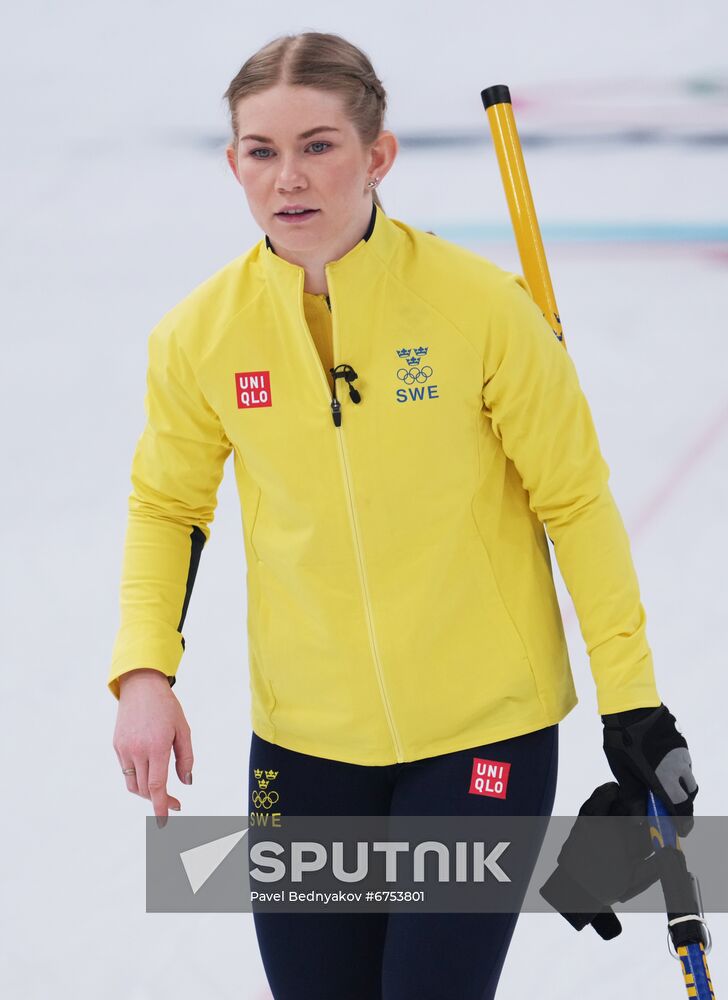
{"type": "Point", "coordinates": [667, 488]}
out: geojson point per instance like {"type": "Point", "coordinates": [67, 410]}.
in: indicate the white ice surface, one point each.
{"type": "Point", "coordinates": [111, 213]}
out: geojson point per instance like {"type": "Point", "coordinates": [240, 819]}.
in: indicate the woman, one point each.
{"type": "Point", "coordinates": [402, 618]}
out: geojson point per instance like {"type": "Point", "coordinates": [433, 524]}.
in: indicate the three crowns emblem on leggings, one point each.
{"type": "Point", "coordinates": [263, 797]}
{"type": "Point", "coordinates": [489, 777]}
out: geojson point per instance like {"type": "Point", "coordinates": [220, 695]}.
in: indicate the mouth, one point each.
{"type": "Point", "coordinates": [297, 216]}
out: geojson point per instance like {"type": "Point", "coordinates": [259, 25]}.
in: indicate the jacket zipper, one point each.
{"type": "Point", "coordinates": [354, 523]}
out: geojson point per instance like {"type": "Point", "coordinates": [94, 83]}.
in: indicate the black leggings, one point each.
{"type": "Point", "coordinates": [396, 955]}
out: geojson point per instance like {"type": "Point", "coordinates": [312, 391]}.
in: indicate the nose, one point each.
{"type": "Point", "coordinates": [290, 176]}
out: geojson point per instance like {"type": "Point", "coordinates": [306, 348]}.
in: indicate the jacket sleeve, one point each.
{"type": "Point", "coordinates": [543, 421]}
{"type": "Point", "coordinates": [176, 471]}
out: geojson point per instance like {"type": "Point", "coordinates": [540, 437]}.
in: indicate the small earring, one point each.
{"type": "Point", "coordinates": [373, 183]}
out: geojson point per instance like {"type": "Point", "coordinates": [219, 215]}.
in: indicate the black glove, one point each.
{"type": "Point", "coordinates": [600, 863]}
{"type": "Point", "coordinates": [645, 751]}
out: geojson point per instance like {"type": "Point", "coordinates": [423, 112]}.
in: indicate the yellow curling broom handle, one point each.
{"type": "Point", "coordinates": [497, 103]}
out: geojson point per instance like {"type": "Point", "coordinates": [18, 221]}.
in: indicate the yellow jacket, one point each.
{"type": "Point", "coordinates": [401, 602]}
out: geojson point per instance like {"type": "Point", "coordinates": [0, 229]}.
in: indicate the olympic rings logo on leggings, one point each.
{"type": "Point", "coordinates": [264, 800]}
{"type": "Point", "coordinates": [264, 797]}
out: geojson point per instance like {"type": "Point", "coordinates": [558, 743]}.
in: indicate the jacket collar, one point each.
{"type": "Point", "coordinates": [376, 248]}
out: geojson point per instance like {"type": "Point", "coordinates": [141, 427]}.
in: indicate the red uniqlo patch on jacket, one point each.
{"type": "Point", "coordinates": [252, 389]}
{"type": "Point", "coordinates": [489, 777]}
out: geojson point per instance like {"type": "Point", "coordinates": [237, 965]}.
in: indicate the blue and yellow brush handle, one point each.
{"type": "Point", "coordinates": [693, 958]}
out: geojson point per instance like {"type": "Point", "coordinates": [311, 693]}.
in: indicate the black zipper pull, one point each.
{"type": "Point", "coordinates": [335, 404]}
{"type": "Point", "coordinates": [336, 409]}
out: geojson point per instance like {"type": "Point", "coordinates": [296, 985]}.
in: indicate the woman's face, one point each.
{"type": "Point", "coordinates": [327, 170]}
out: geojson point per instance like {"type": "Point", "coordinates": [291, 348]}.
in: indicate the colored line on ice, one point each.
{"type": "Point", "coordinates": [615, 133]}
{"type": "Point", "coordinates": [589, 232]}
{"type": "Point", "coordinates": [669, 486]}
{"type": "Point", "coordinates": [691, 457]}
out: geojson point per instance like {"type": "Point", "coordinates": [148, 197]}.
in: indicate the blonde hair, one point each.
{"type": "Point", "coordinates": [316, 59]}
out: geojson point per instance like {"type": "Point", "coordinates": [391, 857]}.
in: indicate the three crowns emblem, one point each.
{"type": "Point", "coordinates": [264, 778]}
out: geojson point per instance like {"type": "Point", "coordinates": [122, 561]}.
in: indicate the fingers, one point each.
{"type": "Point", "coordinates": [674, 772]}
{"type": "Point", "coordinates": [691, 788]}
{"type": "Point", "coordinates": [143, 747]}
{"type": "Point", "coordinates": [156, 781]}
{"type": "Point", "coordinates": [138, 781]}
{"type": "Point", "coordinates": [127, 765]}
{"type": "Point", "coordinates": [184, 758]}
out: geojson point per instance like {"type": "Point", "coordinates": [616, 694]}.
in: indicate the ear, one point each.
{"type": "Point", "coordinates": [230, 154]}
{"type": "Point", "coordinates": [382, 153]}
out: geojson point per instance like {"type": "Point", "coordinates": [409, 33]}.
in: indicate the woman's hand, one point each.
{"type": "Point", "coordinates": [646, 750]}
{"type": "Point", "coordinates": [149, 724]}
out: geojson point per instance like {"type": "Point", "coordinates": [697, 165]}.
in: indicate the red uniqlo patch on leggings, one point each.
{"type": "Point", "coordinates": [489, 777]}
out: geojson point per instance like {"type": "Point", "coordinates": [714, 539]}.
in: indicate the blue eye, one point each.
{"type": "Point", "coordinates": [265, 149]}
